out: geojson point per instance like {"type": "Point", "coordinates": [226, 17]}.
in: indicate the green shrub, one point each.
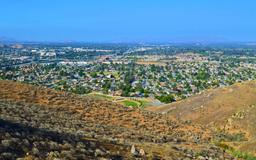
{"type": "Point", "coordinates": [232, 151]}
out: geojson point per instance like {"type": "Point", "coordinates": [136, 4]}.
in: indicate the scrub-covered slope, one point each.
{"type": "Point", "coordinates": [43, 123]}
{"type": "Point", "coordinates": [230, 111]}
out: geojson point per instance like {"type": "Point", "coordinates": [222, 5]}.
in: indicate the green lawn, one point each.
{"type": "Point", "coordinates": [130, 103]}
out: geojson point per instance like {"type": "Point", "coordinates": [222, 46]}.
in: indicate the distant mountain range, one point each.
{"type": "Point", "coordinates": [174, 41]}
{"type": "Point", "coordinates": [4, 39]}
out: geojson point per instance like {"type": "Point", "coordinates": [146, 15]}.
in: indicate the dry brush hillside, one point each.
{"type": "Point", "coordinates": [43, 123]}
{"type": "Point", "coordinates": [229, 110]}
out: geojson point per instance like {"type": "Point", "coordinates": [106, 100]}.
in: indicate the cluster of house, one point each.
{"type": "Point", "coordinates": [180, 78]}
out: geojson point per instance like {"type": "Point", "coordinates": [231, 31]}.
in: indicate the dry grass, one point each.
{"type": "Point", "coordinates": [108, 120]}
{"type": "Point", "coordinates": [230, 109]}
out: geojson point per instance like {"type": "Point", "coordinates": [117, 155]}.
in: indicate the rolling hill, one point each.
{"type": "Point", "coordinates": [228, 111]}
{"type": "Point", "coordinates": [37, 122]}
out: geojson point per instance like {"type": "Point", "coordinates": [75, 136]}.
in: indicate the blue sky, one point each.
{"type": "Point", "coordinates": [128, 20]}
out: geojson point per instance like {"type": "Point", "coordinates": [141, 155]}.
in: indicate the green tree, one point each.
{"type": "Point", "coordinates": [166, 98]}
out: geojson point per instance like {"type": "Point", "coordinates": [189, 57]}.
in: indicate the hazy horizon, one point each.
{"type": "Point", "coordinates": [134, 21]}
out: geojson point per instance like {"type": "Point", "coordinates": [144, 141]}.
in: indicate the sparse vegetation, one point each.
{"type": "Point", "coordinates": [87, 128]}
{"type": "Point", "coordinates": [236, 137]}
{"type": "Point", "coordinates": [235, 153]}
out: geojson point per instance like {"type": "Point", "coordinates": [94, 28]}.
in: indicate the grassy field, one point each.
{"type": "Point", "coordinates": [141, 103]}
{"type": "Point", "coordinates": [136, 102]}
{"type": "Point", "coordinates": [130, 103]}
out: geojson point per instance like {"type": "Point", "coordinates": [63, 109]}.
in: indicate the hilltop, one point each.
{"type": "Point", "coordinates": [228, 111]}
{"type": "Point", "coordinates": [44, 123]}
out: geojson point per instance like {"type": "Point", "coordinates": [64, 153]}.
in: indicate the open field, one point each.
{"type": "Point", "coordinates": [130, 103]}
{"type": "Point", "coordinates": [126, 101]}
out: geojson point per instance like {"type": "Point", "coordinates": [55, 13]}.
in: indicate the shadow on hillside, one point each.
{"type": "Point", "coordinates": [18, 140]}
